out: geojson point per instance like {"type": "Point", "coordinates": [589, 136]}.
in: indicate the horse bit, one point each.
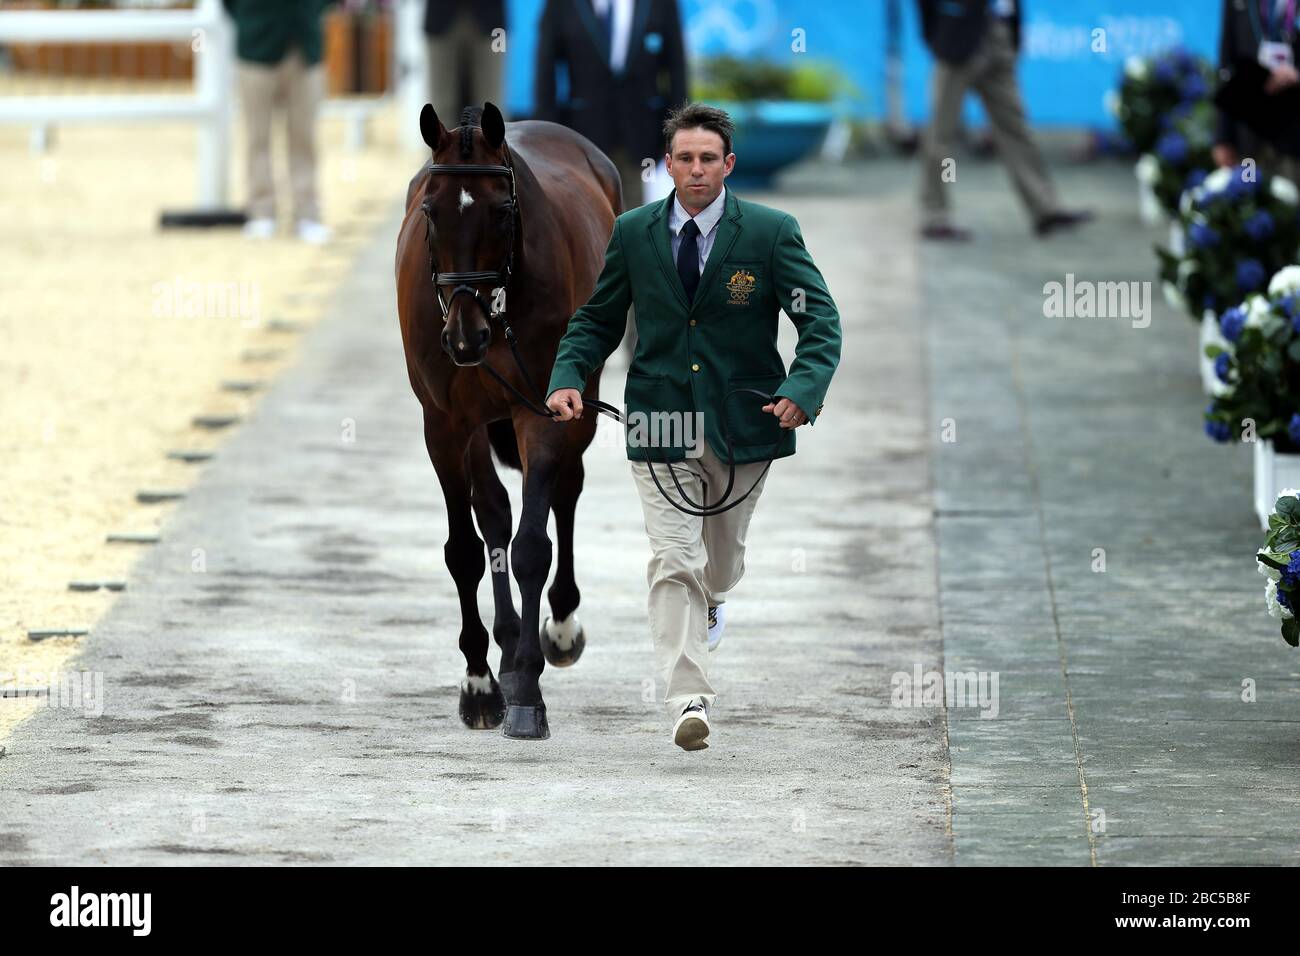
{"type": "Point", "coordinates": [464, 283]}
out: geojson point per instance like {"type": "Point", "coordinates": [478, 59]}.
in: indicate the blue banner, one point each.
{"type": "Point", "coordinates": [1071, 54]}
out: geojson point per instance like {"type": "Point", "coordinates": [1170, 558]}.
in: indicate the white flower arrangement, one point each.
{"type": "Point", "coordinates": [1278, 560]}
{"type": "Point", "coordinates": [1257, 309]}
{"type": "Point", "coordinates": [1136, 68]}
{"type": "Point", "coordinates": [1284, 190]}
{"type": "Point", "coordinates": [1286, 281]}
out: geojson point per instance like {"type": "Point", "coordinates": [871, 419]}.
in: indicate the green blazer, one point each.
{"type": "Point", "coordinates": [265, 30]}
{"type": "Point", "coordinates": [689, 356]}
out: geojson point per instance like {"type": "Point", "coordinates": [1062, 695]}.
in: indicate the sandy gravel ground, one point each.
{"type": "Point", "coordinates": [117, 334]}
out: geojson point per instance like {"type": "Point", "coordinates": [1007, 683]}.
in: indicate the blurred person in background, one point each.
{"type": "Point", "coordinates": [279, 44]}
{"type": "Point", "coordinates": [975, 44]}
{"type": "Point", "coordinates": [626, 66]}
{"type": "Point", "coordinates": [463, 67]}
{"type": "Point", "coordinates": [1259, 37]}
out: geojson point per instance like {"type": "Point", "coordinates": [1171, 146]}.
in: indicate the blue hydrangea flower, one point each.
{"type": "Point", "coordinates": [1175, 116]}
{"type": "Point", "coordinates": [1172, 148]}
{"type": "Point", "coordinates": [1222, 366]}
{"type": "Point", "coordinates": [1250, 275]}
{"type": "Point", "coordinates": [1259, 226]}
{"type": "Point", "coordinates": [1232, 322]}
{"type": "Point", "coordinates": [1293, 432]}
{"type": "Point", "coordinates": [1219, 431]}
{"type": "Point", "coordinates": [1290, 575]}
{"type": "Point", "coordinates": [1240, 186]}
{"type": "Point", "coordinates": [1287, 302]}
{"type": "Point", "coordinates": [1282, 599]}
{"type": "Point", "coordinates": [1194, 179]}
{"type": "Point", "coordinates": [1201, 236]}
{"type": "Point", "coordinates": [1166, 71]}
{"type": "Point", "coordinates": [1194, 88]}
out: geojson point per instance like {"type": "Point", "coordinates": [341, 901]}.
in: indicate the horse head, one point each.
{"type": "Point", "coordinates": [472, 219]}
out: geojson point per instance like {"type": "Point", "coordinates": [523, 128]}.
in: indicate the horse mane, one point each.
{"type": "Point", "coordinates": [470, 117]}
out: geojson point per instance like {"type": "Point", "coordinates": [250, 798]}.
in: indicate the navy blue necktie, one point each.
{"type": "Point", "coordinates": [688, 259]}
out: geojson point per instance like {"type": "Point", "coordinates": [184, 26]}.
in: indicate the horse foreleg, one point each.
{"type": "Point", "coordinates": [562, 636]}
{"type": "Point", "coordinates": [482, 706]}
{"type": "Point", "coordinates": [492, 510]}
{"type": "Point", "coordinates": [531, 557]}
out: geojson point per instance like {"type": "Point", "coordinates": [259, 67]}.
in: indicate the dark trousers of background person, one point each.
{"type": "Point", "coordinates": [991, 73]}
{"type": "Point", "coordinates": [465, 52]}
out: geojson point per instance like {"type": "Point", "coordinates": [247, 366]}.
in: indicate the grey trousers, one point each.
{"type": "Point", "coordinates": [462, 43]}
{"type": "Point", "coordinates": [991, 73]}
{"type": "Point", "coordinates": [694, 562]}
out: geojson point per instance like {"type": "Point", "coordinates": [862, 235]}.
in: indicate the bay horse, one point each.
{"type": "Point", "coordinates": [504, 236]}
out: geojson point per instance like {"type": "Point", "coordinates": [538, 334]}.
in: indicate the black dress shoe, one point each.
{"type": "Point", "coordinates": [1062, 219]}
{"type": "Point", "coordinates": [946, 233]}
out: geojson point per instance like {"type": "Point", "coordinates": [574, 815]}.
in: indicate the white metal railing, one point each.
{"type": "Point", "coordinates": [204, 28]}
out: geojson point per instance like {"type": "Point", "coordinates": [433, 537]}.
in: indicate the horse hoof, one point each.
{"type": "Point", "coordinates": [482, 705]}
{"type": "Point", "coordinates": [563, 641]}
{"type": "Point", "coordinates": [526, 723]}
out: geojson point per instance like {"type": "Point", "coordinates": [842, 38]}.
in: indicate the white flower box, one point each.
{"type": "Point", "coordinates": [1149, 210]}
{"type": "Point", "coordinates": [1210, 335]}
{"type": "Point", "coordinates": [1273, 472]}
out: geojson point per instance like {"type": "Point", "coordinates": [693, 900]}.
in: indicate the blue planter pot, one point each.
{"type": "Point", "coordinates": [774, 134]}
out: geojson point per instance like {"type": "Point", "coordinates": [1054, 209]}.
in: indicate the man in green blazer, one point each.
{"type": "Point", "coordinates": [708, 273]}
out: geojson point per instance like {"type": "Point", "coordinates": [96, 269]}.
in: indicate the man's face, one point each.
{"type": "Point", "coordinates": [698, 166]}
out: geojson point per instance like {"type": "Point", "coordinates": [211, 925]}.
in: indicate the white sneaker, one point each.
{"type": "Point", "coordinates": [717, 621]}
{"type": "Point", "coordinates": [317, 233]}
{"type": "Point", "coordinates": [692, 726]}
{"type": "Point", "coordinates": [259, 229]}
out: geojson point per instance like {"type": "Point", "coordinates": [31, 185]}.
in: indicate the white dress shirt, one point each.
{"type": "Point", "coordinates": [621, 29]}
{"type": "Point", "coordinates": [707, 220]}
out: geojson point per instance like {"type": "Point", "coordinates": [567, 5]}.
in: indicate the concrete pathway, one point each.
{"type": "Point", "coordinates": [295, 700]}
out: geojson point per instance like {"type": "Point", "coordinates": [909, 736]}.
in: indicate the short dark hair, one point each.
{"type": "Point", "coordinates": [699, 116]}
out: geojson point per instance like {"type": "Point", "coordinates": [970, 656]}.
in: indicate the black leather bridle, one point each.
{"type": "Point", "coordinates": [464, 283]}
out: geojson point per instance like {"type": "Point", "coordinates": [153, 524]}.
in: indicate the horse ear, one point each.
{"type": "Point", "coordinates": [493, 125]}
{"type": "Point", "coordinates": [431, 127]}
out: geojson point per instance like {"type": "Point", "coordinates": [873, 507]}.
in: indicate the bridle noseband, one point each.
{"type": "Point", "coordinates": [466, 282]}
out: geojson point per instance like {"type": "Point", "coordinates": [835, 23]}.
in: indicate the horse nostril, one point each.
{"type": "Point", "coordinates": [446, 340]}
{"type": "Point", "coordinates": [484, 336]}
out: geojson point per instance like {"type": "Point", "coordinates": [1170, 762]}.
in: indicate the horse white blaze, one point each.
{"type": "Point", "coordinates": [466, 200]}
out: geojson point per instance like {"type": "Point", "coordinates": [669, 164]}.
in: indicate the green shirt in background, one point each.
{"type": "Point", "coordinates": [266, 30]}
